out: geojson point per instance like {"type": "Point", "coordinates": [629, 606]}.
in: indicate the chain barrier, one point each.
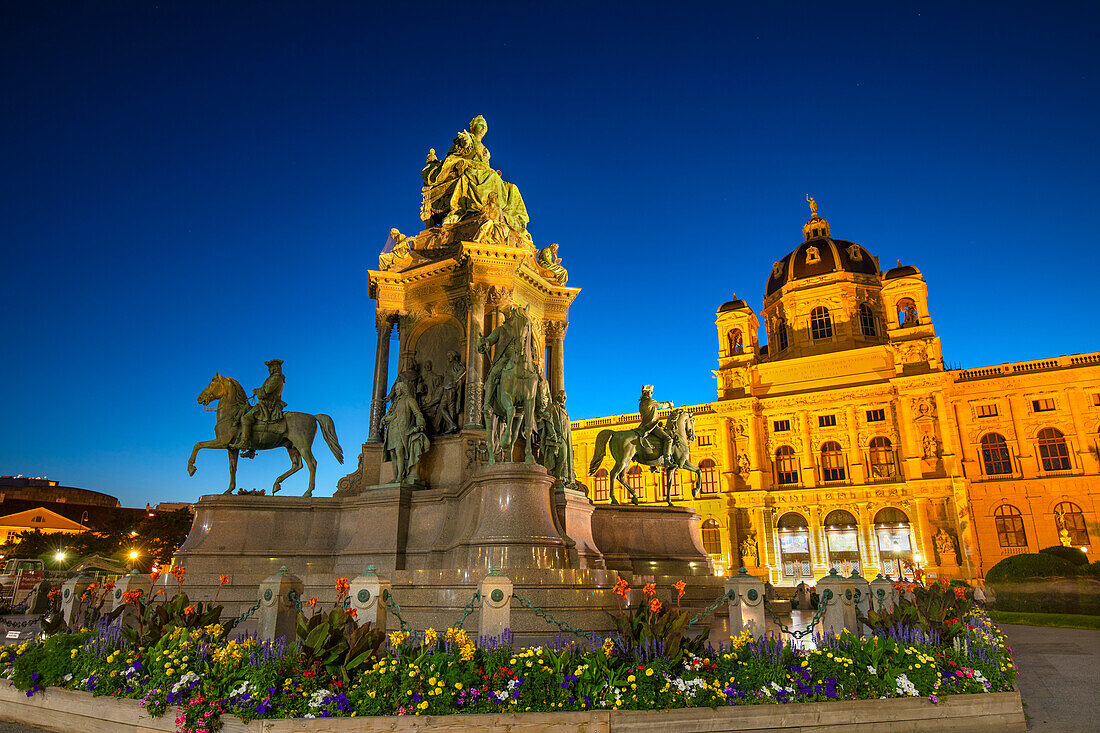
{"type": "Point", "coordinates": [293, 597]}
{"type": "Point", "coordinates": [24, 624]}
{"type": "Point", "coordinates": [251, 610]}
{"type": "Point", "coordinates": [468, 609]}
{"type": "Point", "coordinates": [387, 596]}
{"type": "Point", "coordinates": [826, 596]}
{"type": "Point", "coordinates": [707, 611]}
{"type": "Point", "coordinates": [546, 616]}
{"type": "Point", "coordinates": [347, 602]}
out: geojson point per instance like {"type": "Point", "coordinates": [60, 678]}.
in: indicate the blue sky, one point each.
{"type": "Point", "coordinates": [188, 187]}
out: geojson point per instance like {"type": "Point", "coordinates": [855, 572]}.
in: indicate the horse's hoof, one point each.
{"type": "Point", "coordinates": [309, 492]}
{"type": "Point", "coordinates": [227, 491]}
{"type": "Point", "coordinates": [191, 469]}
{"type": "Point", "coordinates": [634, 500]}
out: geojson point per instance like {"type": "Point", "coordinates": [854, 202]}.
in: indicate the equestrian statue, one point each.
{"type": "Point", "coordinates": [664, 448]}
{"type": "Point", "coordinates": [511, 405]}
{"type": "Point", "coordinates": [244, 428]}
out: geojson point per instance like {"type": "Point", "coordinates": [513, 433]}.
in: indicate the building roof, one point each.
{"type": "Point", "coordinates": [820, 256]}
{"type": "Point", "coordinates": [900, 271]}
{"type": "Point", "coordinates": [732, 305]}
{"type": "Point", "coordinates": [46, 519]}
{"type": "Point", "coordinates": [90, 515]}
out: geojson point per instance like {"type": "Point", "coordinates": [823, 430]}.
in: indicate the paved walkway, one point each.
{"type": "Point", "coordinates": [1059, 677]}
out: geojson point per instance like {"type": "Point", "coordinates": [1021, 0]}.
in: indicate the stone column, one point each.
{"type": "Point", "coordinates": [818, 564]}
{"type": "Point", "coordinates": [947, 435]}
{"type": "Point", "coordinates": [856, 469]}
{"type": "Point", "coordinates": [555, 337]}
{"type": "Point", "coordinates": [366, 598]}
{"type": "Point", "coordinates": [278, 612]}
{"type": "Point", "coordinates": [755, 478]}
{"type": "Point", "coordinates": [496, 604]}
{"type": "Point", "coordinates": [919, 539]}
{"type": "Point", "coordinates": [907, 435]}
{"type": "Point", "coordinates": [1085, 457]}
{"type": "Point", "coordinates": [868, 539]}
{"type": "Point", "coordinates": [474, 360]}
{"type": "Point", "coordinates": [384, 323]}
{"type": "Point", "coordinates": [808, 474]}
{"type": "Point", "coordinates": [746, 604]}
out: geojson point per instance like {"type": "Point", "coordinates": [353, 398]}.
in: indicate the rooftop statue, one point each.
{"type": "Point", "coordinates": [263, 426]}
{"type": "Point", "coordinates": [512, 383]}
{"type": "Point", "coordinates": [666, 448]}
{"type": "Point", "coordinates": [549, 261]}
{"type": "Point", "coordinates": [462, 186]}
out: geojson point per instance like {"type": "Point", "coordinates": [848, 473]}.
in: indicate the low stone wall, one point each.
{"type": "Point", "coordinates": [65, 711]}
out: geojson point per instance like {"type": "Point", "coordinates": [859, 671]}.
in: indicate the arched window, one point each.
{"type": "Point", "coordinates": [895, 552]}
{"type": "Point", "coordinates": [866, 320]}
{"type": "Point", "coordinates": [842, 541]}
{"type": "Point", "coordinates": [995, 456]}
{"type": "Point", "coordinates": [786, 465]}
{"type": "Point", "coordinates": [1053, 450]}
{"type": "Point", "coordinates": [708, 480]}
{"type": "Point", "coordinates": [794, 545]}
{"type": "Point", "coordinates": [636, 480]}
{"type": "Point", "coordinates": [601, 488]}
{"type": "Point", "coordinates": [882, 457]}
{"type": "Point", "coordinates": [821, 323]}
{"type": "Point", "coordinates": [735, 342]}
{"type": "Point", "coordinates": [832, 461]}
{"type": "Point", "coordinates": [907, 312]}
{"type": "Point", "coordinates": [712, 537]}
{"type": "Point", "coordinates": [781, 333]}
{"type": "Point", "coordinates": [1010, 526]}
{"type": "Point", "coordinates": [1072, 519]}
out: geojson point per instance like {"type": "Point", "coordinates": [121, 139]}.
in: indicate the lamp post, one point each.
{"type": "Point", "coordinates": [133, 556]}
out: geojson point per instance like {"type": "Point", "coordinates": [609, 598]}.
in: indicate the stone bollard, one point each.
{"type": "Point", "coordinates": [71, 589]}
{"type": "Point", "coordinates": [278, 613]}
{"type": "Point", "coordinates": [39, 602]}
{"type": "Point", "coordinates": [838, 599]}
{"type": "Point", "coordinates": [496, 604]}
{"type": "Point", "coordinates": [366, 598]}
{"type": "Point", "coordinates": [882, 594]}
{"type": "Point", "coordinates": [746, 603]}
{"type": "Point", "coordinates": [861, 602]}
{"type": "Point", "coordinates": [125, 584]}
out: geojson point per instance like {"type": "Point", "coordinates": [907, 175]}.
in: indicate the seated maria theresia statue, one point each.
{"type": "Point", "coordinates": [405, 441]}
{"type": "Point", "coordinates": [268, 408]}
{"type": "Point", "coordinates": [512, 385]}
{"type": "Point", "coordinates": [459, 187]}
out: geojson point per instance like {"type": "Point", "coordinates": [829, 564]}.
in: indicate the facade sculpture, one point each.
{"type": "Point", "coordinates": [750, 552]}
{"type": "Point", "coordinates": [405, 441]}
{"type": "Point", "coordinates": [550, 262]}
{"type": "Point", "coordinates": [451, 402]}
{"type": "Point", "coordinates": [512, 383]}
{"type": "Point", "coordinates": [945, 548]}
{"type": "Point", "coordinates": [849, 413]}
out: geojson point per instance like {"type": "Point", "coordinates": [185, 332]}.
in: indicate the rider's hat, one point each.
{"type": "Point", "coordinates": [647, 386]}
{"type": "Point", "coordinates": [274, 362]}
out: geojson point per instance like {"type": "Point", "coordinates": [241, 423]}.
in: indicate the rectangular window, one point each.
{"type": "Point", "coordinates": [826, 421]}
{"type": "Point", "coordinates": [781, 426]}
{"type": "Point", "coordinates": [876, 415]}
{"type": "Point", "coordinates": [705, 440]}
{"type": "Point", "coordinates": [1096, 400]}
{"type": "Point", "coordinates": [987, 410]}
{"type": "Point", "coordinates": [1043, 405]}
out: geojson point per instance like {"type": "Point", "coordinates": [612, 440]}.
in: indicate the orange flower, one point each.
{"type": "Point", "coordinates": [899, 586]}
{"type": "Point", "coordinates": [649, 588]}
{"type": "Point", "coordinates": [945, 582]}
{"type": "Point", "coordinates": [654, 605]}
{"type": "Point", "coordinates": [177, 572]}
{"type": "Point", "coordinates": [911, 587]}
{"type": "Point", "coordinates": [960, 593]}
{"type": "Point", "coordinates": [621, 588]}
{"type": "Point", "coordinates": [353, 613]}
{"type": "Point", "coordinates": [312, 602]}
{"type": "Point", "coordinates": [132, 596]}
{"type": "Point", "coordinates": [84, 596]}
{"type": "Point", "coordinates": [342, 587]}
{"type": "Point", "coordinates": [108, 586]}
{"type": "Point", "coordinates": [92, 587]}
{"type": "Point", "coordinates": [223, 579]}
{"type": "Point", "coordinates": [189, 610]}
{"type": "Point", "coordinates": [53, 593]}
{"type": "Point", "coordinates": [679, 589]}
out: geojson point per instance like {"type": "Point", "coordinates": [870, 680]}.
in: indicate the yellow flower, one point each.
{"type": "Point", "coordinates": [458, 685]}
{"type": "Point", "coordinates": [630, 678]}
{"type": "Point", "coordinates": [648, 672]}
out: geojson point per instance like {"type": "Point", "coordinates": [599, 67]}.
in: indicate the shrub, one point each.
{"type": "Point", "coordinates": [1070, 554]}
{"type": "Point", "coordinates": [1031, 565]}
{"type": "Point", "coordinates": [1092, 570]}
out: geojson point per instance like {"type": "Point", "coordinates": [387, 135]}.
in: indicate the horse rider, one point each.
{"type": "Point", "coordinates": [651, 425]}
{"type": "Point", "coordinates": [509, 337]}
{"type": "Point", "coordinates": [269, 404]}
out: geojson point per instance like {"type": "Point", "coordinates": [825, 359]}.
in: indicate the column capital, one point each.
{"type": "Point", "coordinates": [384, 320]}
{"type": "Point", "coordinates": [555, 329]}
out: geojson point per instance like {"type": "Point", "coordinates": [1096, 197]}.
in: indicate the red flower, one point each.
{"type": "Point", "coordinates": [189, 610]}
{"type": "Point", "coordinates": [312, 602]}
{"type": "Point", "coordinates": [654, 605]}
{"type": "Point", "coordinates": [679, 589]}
{"type": "Point", "coordinates": [960, 593]}
{"type": "Point", "coordinates": [621, 588]}
{"type": "Point", "coordinates": [108, 586]}
{"type": "Point", "coordinates": [649, 588]}
{"type": "Point", "coordinates": [353, 613]}
{"type": "Point", "coordinates": [945, 582]}
{"type": "Point", "coordinates": [177, 572]}
{"type": "Point", "coordinates": [342, 587]}
{"type": "Point", "coordinates": [155, 575]}
{"type": "Point", "coordinates": [132, 596]}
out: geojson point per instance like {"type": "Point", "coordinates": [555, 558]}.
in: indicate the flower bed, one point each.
{"type": "Point", "coordinates": [341, 668]}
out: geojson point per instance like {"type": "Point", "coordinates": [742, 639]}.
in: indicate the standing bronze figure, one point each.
{"type": "Point", "coordinates": [291, 430]}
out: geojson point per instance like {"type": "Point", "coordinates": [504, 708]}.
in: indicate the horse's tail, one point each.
{"type": "Point", "coordinates": [601, 446]}
{"type": "Point", "coordinates": [329, 431]}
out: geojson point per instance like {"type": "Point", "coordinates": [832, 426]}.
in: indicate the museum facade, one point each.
{"type": "Point", "coordinates": [844, 441]}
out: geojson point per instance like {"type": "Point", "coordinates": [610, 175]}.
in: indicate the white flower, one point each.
{"type": "Point", "coordinates": [319, 698]}
{"type": "Point", "coordinates": [871, 669]}
{"type": "Point", "coordinates": [905, 687]}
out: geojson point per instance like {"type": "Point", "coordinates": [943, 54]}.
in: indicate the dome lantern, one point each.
{"type": "Point", "coordinates": [816, 227]}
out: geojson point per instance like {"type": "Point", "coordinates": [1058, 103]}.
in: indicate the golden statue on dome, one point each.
{"type": "Point", "coordinates": [813, 206]}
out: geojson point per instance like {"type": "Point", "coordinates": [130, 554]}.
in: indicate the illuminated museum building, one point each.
{"type": "Point", "coordinates": [844, 442]}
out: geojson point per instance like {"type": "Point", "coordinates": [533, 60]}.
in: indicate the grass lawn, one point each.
{"type": "Point", "coordinates": [1061, 620]}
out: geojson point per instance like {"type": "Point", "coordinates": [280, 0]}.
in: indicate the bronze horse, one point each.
{"type": "Point", "coordinates": [295, 433]}
{"type": "Point", "coordinates": [625, 447]}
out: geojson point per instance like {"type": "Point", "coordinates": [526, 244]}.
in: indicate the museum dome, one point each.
{"type": "Point", "coordinates": [732, 305]}
{"type": "Point", "coordinates": [900, 271]}
{"type": "Point", "coordinates": [819, 254]}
